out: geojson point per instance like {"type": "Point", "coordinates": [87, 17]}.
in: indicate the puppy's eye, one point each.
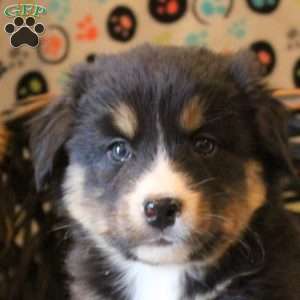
{"type": "Point", "coordinates": [119, 151]}
{"type": "Point", "coordinates": [205, 146]}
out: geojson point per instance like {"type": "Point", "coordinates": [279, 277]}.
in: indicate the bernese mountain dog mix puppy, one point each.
{"type": "Point", "coordinates": [174, 159]}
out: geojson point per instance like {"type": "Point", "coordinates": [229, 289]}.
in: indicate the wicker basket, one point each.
{"type": "Point", "coordinates": [32, 246]}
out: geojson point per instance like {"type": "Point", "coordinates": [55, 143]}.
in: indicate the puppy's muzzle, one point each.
{"type": "Point", "coordinates": [161, 213]}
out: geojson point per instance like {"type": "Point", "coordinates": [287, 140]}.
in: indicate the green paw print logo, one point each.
{"type": "Point", "coordinates": [206, 11]}
{"type": "Point", "coordinates": [197, 39]}
{"type": "Point", "coordinates": [263, 6]}
{"type": "Point", "coordinates": [238, 29]}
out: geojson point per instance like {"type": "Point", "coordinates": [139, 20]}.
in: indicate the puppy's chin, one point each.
{"type": "Point", "coordinates": [162, 254]}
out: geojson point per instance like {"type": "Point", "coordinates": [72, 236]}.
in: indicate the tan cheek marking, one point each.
{"type": "Point", "coordinates": [236, 218]}
{"type": "Point", "coordinates": [238, 214]}
{"type": "Point", "coordinates": [241, 210]}
{"type": "Point", "coordinates": [125, 120]}
{"type": "Point", "coordinates": [192, 115]}
{"type": "Point", "coordinates": [80, 206]}
{"type": "Point", "coordinates": [196, 212]}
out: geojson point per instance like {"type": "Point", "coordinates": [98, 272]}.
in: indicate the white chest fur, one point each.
{"type": "Point", "coordinates": [147, 282]}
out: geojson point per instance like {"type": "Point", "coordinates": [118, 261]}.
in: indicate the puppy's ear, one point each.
{"type": "Point", "coordinates": [49, 131]}
{"type": "Point", "coordinates": [246, 70]}
{"type": "Point", "coordinates": [269, 115]}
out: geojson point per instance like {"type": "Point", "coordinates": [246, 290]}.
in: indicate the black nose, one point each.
{"type": "Point", "coordinates": [162, 213]}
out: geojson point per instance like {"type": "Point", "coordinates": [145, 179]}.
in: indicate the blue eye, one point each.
{"type": "Point", "coordinates": [119, 151]}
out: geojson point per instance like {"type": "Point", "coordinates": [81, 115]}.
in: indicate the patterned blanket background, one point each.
{"type": "Point", "coordinates": [76, 30]}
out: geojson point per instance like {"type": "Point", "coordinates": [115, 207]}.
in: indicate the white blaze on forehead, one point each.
{"type": "Point", "coordinates": [163, 180]}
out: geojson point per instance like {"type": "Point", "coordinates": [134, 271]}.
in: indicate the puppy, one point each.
{"type": "Point", "coordinates": [170, 162]}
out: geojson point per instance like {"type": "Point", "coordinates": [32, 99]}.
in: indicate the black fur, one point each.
{"type": "Point", "coordinates": [248, 124]}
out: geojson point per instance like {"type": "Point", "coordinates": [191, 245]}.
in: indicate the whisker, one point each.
{"type": "Point", "coordinates": [204, 181]}
{"type": "Point", "coordinates": [214, 216]}
{"type": "Point", "coordinates": [241, 241]}
{"type": "Point", "coordinates": [221, 116]}
{"type": "Point", "coordinates": [57, 228]}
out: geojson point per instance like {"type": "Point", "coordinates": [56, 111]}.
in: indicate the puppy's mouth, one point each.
{"type": "Point", "coordinates": [160, 242]}
{"type": "Point", "coordinates": [162, 249]}
{"type": "Point", "coordinates": [168, 249]}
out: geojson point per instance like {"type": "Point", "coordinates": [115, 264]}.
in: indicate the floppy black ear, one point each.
{"type": "Point", "coordinates": [270, 117]}
{"type": "Point", "coordinates": [246, 70]}
{"type": "Point", "coordinates": [49, 131]}
{"type": "Point", "coordinates": [51, 128]}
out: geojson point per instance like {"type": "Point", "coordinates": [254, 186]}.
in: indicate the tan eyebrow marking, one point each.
{"type": "Point", "coordinates": [192, 115]}
{"type": "Point", "coordinates": [125, 119]}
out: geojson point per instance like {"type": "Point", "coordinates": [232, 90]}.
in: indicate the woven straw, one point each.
{"type": "Point", "coordinates": [31, 243]}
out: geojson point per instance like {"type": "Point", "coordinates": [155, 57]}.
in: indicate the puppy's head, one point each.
{"type": "Point", "coordinates": [171, 151]}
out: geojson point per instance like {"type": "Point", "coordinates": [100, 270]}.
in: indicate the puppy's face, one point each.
{"type": "Point", "coordinates": [167, 152]}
